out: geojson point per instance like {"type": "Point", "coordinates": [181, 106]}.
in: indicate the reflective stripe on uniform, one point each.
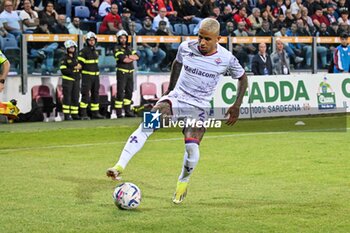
{"type": "Point", "coordinates": [127, 102]}
{"type": "Point", "coordinates": [65, 108]}
{"type": "Point", "coordinates": [83, 105]}
{"type": "Point", "coordinates": [117, 53]}
{"type": "Point", "coordinates": [90, 72]}
{"type": "Point", "coordinates": [133, 52]}
{"type": "Point", "coordinates": [124, 70]}
{"type": "Point", "coordinates": [67, 78]}
{"type": "Point", "coordinates": [74, 109]}
{"type": "Point", "coordinates": [118, 104]}
{"type": "Point", "coordinates": [63, 67]}
{"type": "Point", "coordinates": [94, 107]}
{"type": "Point", "coordinates": [87, 61]}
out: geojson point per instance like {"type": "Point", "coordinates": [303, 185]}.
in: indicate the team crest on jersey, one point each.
{"type": "Point", "coordinates": [191, 55]}
{"type": "Point", "coordinates": [218, 61]}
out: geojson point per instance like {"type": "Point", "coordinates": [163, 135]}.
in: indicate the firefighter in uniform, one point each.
{"type": "Point", "coordinates": [124, 56]}
{"type": "Point", "coordinates": [70, 69]}
{"type": "Point", "coordinates": [88, 58]}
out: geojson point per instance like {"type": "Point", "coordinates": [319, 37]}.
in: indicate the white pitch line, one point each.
{"type": "Point", "coordinates": [163, 140]}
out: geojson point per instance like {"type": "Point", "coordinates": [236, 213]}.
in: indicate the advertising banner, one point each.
{"type": "Point", "coordinates": [286, 95]}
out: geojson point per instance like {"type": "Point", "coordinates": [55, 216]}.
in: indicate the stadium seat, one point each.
{"type": "Point", "coordinates": [104, 103]}
{"type": "Point", "coordinates": [82, 12]}
{"type": "Point", "coordinates": [165, 86]}
{"type": "Point", "coordinates": [59, 98]}
{"type": "Point", "coordinates": [13, 54]}
{"type": "Point", "coordinates": [191, 28]}
{"type": "Point", "coordinates": [181, 29]}
{"type": "Point", "coordinates": [148, 93]}
{"type": "Point", "coordinates": [8, 43]}
{"type": "Point", "coordinates": [42, 98]}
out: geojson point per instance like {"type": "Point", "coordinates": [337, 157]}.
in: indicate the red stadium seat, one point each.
{"type": "Point", "coordinates": [148, 93]}
{"type": "Point", "coordinates": [42, 98]}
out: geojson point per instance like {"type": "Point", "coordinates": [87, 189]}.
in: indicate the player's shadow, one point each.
{"type": "Point", "coordinates": [86, 187]}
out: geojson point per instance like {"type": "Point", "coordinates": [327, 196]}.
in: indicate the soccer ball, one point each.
{"type": "Point", "coordinates": [127, 196]}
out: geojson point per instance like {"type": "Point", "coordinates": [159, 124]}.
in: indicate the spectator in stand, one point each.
{"type": "Point", "coordinates": [261, 63]}
{"type": "Point", "coordinates": [192, 12]}
{"type": "Point", "coordinates": [281, 33]}
{"type": "Point", "coordinates": [321, 50]}
{"type": "Point", "coordinates": [278, 22]}
{"type": "Point", "coordinates": [322, 32]}
{"type": "Point", "coordinates": [316, 4]}
{"type": "Point", "coordinates": [207, 8]}
{"type": "Point", "coordinates": [74, 27]}
{"type": "Point", "coordinates": [163, 30]}
{"type": "Point", "coordinates": [280, 59]}
{"type": "Point", "coordinates": [10, 19]}
{"type": "Point", "coordinates": [126, 19]}
{"type": "Point", "coordinates": [289, 18]}
{"type": "Point", "coordinates": [343, 5]}
{"type": "Point", "coordinates": [4, 33]}
{"type": "Point", "coordinates": [29, 17]}
{"type": "Point", "coordinates": [138, 8]}
{"type": "Point", "coordinates": [112, 22]}
{"type": "Point", "coordinates": [307, 19]}
{"type": "Point", "coordinates": [179, 7]}
{"type": "Point", "coordinates": [228, 30]}
{"type": "Point", "coordinates": [265, 29]}
{"type": "Point", "coordinates": [160, 17]}
{"type": "Point", "coordinates": [256, 21]}
{"type": "Point", "coordinates": [234, 5]}
{"type": "Point", "coordinates": [93, 7]}
{"type": "Point", "coordinates": [344, 17]}
{"type": "Point", "coordinates": [342, 55]}
{"type": "Point", "coordinates": [60, 27]}
{"type": "Point", "coordinates": [49, 15]}
{"type": "Point", "coordinates": [168, 5]}
{"type": "Point", "coordinates": [331, 15]}
{"type": "Point", "coordinates": [241, 51]}
{"type": "Point", "coordinates": [266, 16]}
{"type": "Point", "coordinates": [151, 54]}
{"type": "Point", "coordinates": [217, 14]}
{"type": "Point", "coordinates": [296, 6]}
{"type": "Point", "coordinates": [105, 8]}
{"type": "Point", "coordinates": [44, 49]}
{"type": "Point", "coordinates": [241, 16]}
{"type": "Point", "coordinates": [152, 9]}
{"type": "Point", "coordinates": [319, 18]}
{"type": "Point", "coordinates": [277, 9]}
{"type": "Point", "coordinates": [286, 6]}
{"type": "Point", "coordinates": [132, 30]}
{"type": "Point", "coordinates": [227, 14]}
{"type": "Point", "coordinates": [343, 28]}
{"type": "Point", "coordinates": [333, 29]}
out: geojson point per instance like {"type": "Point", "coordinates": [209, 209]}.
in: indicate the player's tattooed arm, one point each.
{"type": "Point", "coordinates": [233, 111]}
{"type": "Point", "coordinates": [174, 75]}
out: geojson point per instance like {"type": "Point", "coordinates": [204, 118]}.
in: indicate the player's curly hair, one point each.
{"type": "Point", "coordinates": [210, 25]}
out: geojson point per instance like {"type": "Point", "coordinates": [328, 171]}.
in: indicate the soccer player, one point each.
{"type": "Point", "coordinates": [5, 66]}
{"type": "Point", "coordinates": [198, 66]}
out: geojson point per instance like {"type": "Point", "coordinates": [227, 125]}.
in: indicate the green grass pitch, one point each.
{"type": "Point", "coordinates": [52, 178]}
